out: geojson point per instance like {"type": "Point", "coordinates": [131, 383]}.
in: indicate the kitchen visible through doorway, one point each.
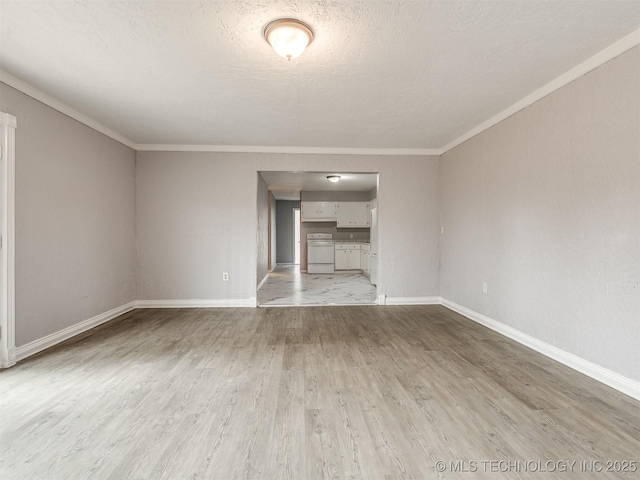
{"type": "Point", "coordinates": [306, 209]}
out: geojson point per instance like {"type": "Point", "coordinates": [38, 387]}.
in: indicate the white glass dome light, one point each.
{"type": "Point", "coordinates": [288, 37]}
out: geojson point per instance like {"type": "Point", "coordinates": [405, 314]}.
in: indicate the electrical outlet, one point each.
{"type": "Point", "coordinates": [225, 276]}
{"type": "Point", "coordinates": [485, 289]}
{"type": "Point", "coordinates": [441, 230]}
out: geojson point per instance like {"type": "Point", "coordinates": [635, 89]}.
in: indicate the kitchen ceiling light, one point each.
{"type": "Point", "coordinates": [333, 178]}
{"type": "Point", "coordinates": [288, 36]}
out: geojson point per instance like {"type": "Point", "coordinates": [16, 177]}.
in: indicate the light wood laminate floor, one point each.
{"type": "Point", "coordinates": [360, 392]}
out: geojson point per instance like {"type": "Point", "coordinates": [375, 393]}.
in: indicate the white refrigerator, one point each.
{"type": "Point", "coordinates": [373, 254]}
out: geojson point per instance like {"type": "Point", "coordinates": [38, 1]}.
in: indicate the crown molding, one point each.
{"type": "Point", "coordinates": [299, 150]}
{"type": "Point", "coordinates": [50, 101]}
{"type": "Point", "coordinates": [600, 58]}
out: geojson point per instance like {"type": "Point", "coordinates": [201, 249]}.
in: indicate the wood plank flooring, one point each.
{"type": "Point", "coordinates": [307, 393]}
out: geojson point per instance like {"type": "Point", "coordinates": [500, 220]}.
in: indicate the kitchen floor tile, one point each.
{"type": "Point", "coordinates": [288, 286]}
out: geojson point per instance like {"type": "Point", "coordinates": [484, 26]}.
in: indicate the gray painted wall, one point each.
{"type": "Point", "coordinates": [284, 229]}
{"type": "Point", "coordinates": [197, 219]}
{"type": "Point", "coordinates": [206, 222]}
{"type": "Point", "coordinates": [75, 219]}
{"type": "Point", "coordinates": [545, 208]}
{"type": "Point", "coordinates": [262, 232]}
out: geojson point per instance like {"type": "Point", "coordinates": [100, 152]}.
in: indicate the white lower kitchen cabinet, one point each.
{"type": "Point", "coordinates": [342, 258]}
{"type": "Point", "coordinates": [354, 259]}
{"type": "Point", "coordinates": [347, 256]}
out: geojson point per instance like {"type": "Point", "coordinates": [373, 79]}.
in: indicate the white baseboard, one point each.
{"type": "Point", "coordinates": [43, 343]}
{"type": "Point", "coordinates": [601, 374]}
{"type": "Point", "coordinates": [263, 281]}
{"type": "Point", "coordinates": [412, 301]}
{"type": "Point", "coordinates": [198, 303]}
{"type": "Point", "coordinates": [11, 361]}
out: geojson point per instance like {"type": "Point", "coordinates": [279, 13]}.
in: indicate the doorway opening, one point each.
{"type": "Point", "coordinates": [325, 239]}
{"type": "Point", "coordinates": [296, 236]}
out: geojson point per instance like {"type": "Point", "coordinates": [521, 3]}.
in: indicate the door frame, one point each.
{"type": "Point", "coordinates": [8, 125]}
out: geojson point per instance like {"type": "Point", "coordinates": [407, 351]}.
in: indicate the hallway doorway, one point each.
{"type": "Point", "coordinates": [296, 236]}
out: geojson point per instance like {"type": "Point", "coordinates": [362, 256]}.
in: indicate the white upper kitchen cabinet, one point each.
{"type": "Point", "coordinates": [354, 215]}
{"type": "Point", "coordinates": [318, 211]}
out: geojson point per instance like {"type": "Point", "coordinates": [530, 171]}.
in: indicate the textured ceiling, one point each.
{"type": "Point", "coordinates": [380, 74]}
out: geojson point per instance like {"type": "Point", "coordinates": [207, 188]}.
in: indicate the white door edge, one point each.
{"type": "Point", "coordinates": [8, 126]}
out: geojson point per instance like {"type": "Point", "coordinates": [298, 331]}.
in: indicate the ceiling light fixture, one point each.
{"type": "Point", "coordinates": [288, 36]}
{"type": "Point", "coordinates": [333, 178]}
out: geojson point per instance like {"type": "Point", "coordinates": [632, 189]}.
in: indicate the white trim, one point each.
{"type": "Point", "coordinates": [382, 300]}
{"type": "Point", "coordinates": [264, 280]}
{"type": "Point", "coordinates": [8, 315]}
{"type": "Point", "coordinates": [591, 63]}
{"type": "Point", "coordinates": [8, 120]}
{"type": "Point", "coordinates": [298, 150]}
{"type": "Point", "coordinates": [412, 301]}
{"type": "Point", "coordinates": [43, 343]}
{"type": "Point", "coordinates": [48, 100]}
{"type": "Point", "coordinates": [601, 374]}
{"type": "Point", "coordinates": [198, 303]}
